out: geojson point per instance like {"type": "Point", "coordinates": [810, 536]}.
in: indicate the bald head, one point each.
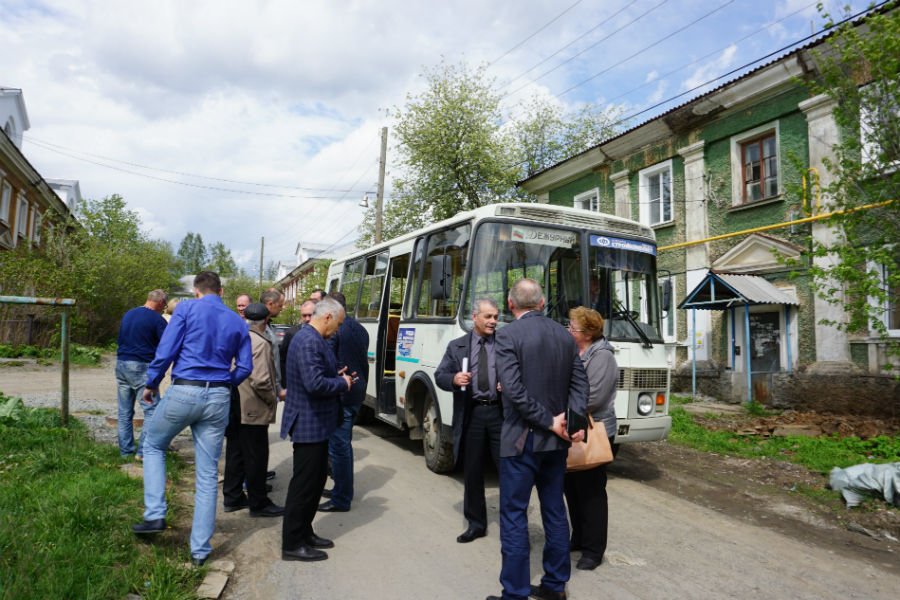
{"type": "Point", "coordinates": [525, 295]}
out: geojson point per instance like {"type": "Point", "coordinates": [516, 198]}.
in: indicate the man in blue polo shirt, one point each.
{"type": "Point", "coordinates": [203, 339]}
{"type": "Point", "coordinates": [139, 335]}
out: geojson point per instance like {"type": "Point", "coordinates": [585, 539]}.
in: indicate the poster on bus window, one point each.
{"type": "Point", "coordinates": [405, 339]}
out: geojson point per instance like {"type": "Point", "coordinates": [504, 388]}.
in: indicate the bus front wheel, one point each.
{"type": "Point", "coordinates": [438, 449]}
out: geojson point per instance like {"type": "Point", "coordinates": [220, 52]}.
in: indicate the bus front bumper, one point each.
{"type": "Point", "coordinates": [654, 429]}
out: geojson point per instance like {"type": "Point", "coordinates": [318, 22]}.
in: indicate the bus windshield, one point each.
{"type": "Point", "coordinates": [506, 252]}
{"type": "Point", "coordinates": [622, 284]}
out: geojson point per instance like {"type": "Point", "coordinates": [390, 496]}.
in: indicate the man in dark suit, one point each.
{"type": "Point", "coordinates": [542, 376]}
{"type": "Point", "coordinates": [351, 345]}
{"type": "Point", "coordinates": [477, 413]}
{"type": "Point", "coordinates": [311, 414]}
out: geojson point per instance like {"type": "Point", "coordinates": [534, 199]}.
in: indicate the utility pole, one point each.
{"type": "Point", "coordinates": [262, 247]}
{"type": "Point", "coordinates": [379, 201]}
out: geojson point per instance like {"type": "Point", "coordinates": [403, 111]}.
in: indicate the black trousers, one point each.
{"type": "Point", "coordinates": [482, 434]}
{"type": "Point", "coordinates": [246, 458]}
{"type": "Point", "coordinates": [588, 510]}
{"type": "Point", "coordinates": [304, 493]}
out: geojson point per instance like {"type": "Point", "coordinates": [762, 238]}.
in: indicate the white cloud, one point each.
{"type": "Point", "coordinates": [711, 69]}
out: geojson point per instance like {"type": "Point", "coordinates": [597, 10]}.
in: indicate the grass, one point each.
{"type": "Point", "coordinates": [67, 509]}
{"type": "Point", "coordinates": [819, 454]}
{"type": "Point", "coordinates": [78, 354]}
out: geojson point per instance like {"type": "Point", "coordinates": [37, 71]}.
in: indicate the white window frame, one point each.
{"type": "Point", "coordinates": [644, 199]}
{"type": "Point", "coordinates": [737, 163]}
{"type": "Point", "coordinates": [881, 269]}
{"type": "Point", "coordinates": [22, 217]}
{"type": "Point", "coordinates": [589, 200]}
{"type": "Point", "coordinates": [669, 315]}
{"type": "Point", "coordinates": [5, 200]}
{"type": "Point", "coordinates": [36, 218]}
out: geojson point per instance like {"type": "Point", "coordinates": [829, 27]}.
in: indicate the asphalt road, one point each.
{"type": "Point", "coordinates": [399, 541]}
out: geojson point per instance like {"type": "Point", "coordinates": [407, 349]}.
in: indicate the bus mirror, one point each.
{"type": "Point", "coordinates": [667, 295]}
{"type": "Point", "coordinates": [441, 268]}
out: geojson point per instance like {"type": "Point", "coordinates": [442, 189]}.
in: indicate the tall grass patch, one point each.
{"type": "Point", "coordinates": [66, 510]}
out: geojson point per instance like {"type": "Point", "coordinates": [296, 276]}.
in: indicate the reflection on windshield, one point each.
{"type": "Point", "coordinates": [623, 288]}
{"type": "Point", "coordinates": [507, 252]}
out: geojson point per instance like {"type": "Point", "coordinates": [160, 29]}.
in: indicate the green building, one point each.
{"type": "Point", "coordinates": [733, 160]}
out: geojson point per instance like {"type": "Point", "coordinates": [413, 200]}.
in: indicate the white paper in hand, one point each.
{"type": "Point", "coordinates": [465, 368]}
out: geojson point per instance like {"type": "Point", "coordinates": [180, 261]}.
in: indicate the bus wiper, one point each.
{"type": "Point", "coordinates": [620, 310]}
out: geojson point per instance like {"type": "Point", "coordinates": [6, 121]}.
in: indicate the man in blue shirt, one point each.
{"type": "Point", "coordinates": [139, 335]}
{"type": "Point", "coordinates": [203, 339]}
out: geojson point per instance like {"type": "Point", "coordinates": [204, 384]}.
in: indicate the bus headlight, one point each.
{"type": "Point", "coordinates": [644, 404]}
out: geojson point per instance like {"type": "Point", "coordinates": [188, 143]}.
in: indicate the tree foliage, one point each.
{"type": "Point", "coordinates": [458, 151]}
{"type": "Point", "coordinates": [859, 68]}
{"type": "Point", "coordinates": [221, 261]}
{"type": "Point", "coordinates": [105, 262]}
{"type": "Point", "coordinates": [192, 253]}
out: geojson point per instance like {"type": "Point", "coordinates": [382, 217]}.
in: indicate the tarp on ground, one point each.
{"type": "Point", "coordinates": [859, 482]}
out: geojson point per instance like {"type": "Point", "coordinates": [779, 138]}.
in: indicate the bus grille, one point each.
{"type": "Point", "coordinates": [587, 220]}
{"type": "Point", "coordinates": [644, 379]}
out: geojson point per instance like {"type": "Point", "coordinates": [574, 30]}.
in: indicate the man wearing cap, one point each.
{"type": "Point", "coordinates": [247, 450]}
{"type": "Point", "coordinates": [203, 339]}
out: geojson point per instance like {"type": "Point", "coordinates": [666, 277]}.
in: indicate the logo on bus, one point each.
{"type": "Point", "coordinates": [603, 241]}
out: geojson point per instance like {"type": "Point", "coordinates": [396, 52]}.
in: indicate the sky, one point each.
{"type": "Point", "coordinates": [242, 119]}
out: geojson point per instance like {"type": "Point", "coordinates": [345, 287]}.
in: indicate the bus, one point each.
{"type": "Point", "coordinates": [414, 294]}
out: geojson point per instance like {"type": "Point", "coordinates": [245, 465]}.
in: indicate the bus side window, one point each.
{"type": "Point", "coordinates": [454, 245]}
{"type": "Point", "coordinates": [350, 284]}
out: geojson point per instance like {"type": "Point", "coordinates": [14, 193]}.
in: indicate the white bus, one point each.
{"type": "Point", "coordinates": [414, 294]}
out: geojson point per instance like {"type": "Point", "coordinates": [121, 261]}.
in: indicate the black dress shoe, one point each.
{"type": "Point", "coordinates": [198, 562]}
{"type": "Point", "coordinates": [268, 487]}
{"type": "Point", "coordinates": [327, 493]}
{"type": "Point", "coordinates": [542, 593]}
{"type": "Point", "coordinates": [240, 505]}
{"type": "Point", "coordinates": [470, 534]}
{"type": "Point", "coordinates": [303, 553]}
{"type": "Point", "coordinates": [270, 475]}
{"type": "Point", "coordinates": [146, 527]}
{"type": "Point", "coordinates": [270, 510]}
{"type": "Point", "coordinates": [330, 507]}
{"type": "Point", "coordinates": [587, 563]}
{"type": "Point", "coordinates": [314, 541]}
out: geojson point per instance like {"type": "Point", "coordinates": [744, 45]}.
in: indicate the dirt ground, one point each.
{"type": "Point", "coordinates": [767, 493]}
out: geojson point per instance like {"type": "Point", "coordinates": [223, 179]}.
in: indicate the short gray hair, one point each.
{"type": "Point", "coordinates": [526, 294]}
{"type": "Point", "coordinates": [328, 306]}
{"type": "Point", "coordinates": [256, 325]}
{"type": "Point", "coordinates": [476, 305]}
{"type": "Point", "coordinates": [270, 296]}
{"type": "Point", "coordinates": [157, 296]}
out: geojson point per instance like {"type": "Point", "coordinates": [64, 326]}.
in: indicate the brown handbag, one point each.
{"type": "Point", "coordinates": [593, 453]}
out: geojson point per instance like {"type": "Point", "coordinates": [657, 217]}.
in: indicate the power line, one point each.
{"type": "Point", "coordinates": [540, 29]}
{"type": "Point", "coordinates": [641, 51]}
{"type": "Point", "coordinates": [594, 45]}
{"type": "Point", "coordinates": [51, 145]}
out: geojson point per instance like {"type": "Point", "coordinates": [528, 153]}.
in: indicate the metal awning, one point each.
{"type": "Point", "coordinates": [725, 291]}
{"type": "Point", "coordinates": [721, 291]}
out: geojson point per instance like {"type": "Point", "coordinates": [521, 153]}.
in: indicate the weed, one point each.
{"type": "Point", "coordinates": [64, 527]}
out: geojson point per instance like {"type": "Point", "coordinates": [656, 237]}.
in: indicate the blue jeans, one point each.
{"type": "Point", "coordinates": [205, 410]}
{"type": "Point", "coordinates": [131, 375]}
{"type": "Point", "coordinates": [340, 451]}
{"type": "Point", "coordinates": [518, 475]}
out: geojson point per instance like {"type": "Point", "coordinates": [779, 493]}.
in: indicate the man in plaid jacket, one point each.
{"type": "Point", "coordinates": [311, 414]}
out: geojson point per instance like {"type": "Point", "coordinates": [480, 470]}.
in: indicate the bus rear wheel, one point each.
{"type": "Point", "coordinates": [438, 449]}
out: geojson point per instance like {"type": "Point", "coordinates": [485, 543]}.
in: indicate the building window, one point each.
{"type": "Point", "coordinates": [589, 200]}
{"type": "Point", "coordinates": [5, 201]}
{"type": "Point", "coordinates": [890, 305]}
{"type": "Point", "coordinates": [760, 168]}
{"type": "Point", "coordinates": [879, 113]}
{"type": "Point", "coordinates": [22, 218]}
{"type": "Point", "coordinates": [36, 227]}
{"type": "Point", "coordinates": [656, 194]}
{"type": "Point", "coordinates": [755, 168]}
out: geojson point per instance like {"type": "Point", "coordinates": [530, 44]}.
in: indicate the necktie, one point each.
{"type": "Point", "coordinates": [484, 382]}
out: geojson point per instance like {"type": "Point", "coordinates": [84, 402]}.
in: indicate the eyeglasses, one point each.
{"type": "Point", "coordinates": [571, 328]}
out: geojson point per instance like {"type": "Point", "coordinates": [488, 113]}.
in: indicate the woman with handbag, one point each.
{"type": "Point", "coordinates": [586, 490]}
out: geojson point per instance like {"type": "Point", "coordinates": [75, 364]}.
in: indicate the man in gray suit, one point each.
{"type": "Point", "coordinates": [542, 376]}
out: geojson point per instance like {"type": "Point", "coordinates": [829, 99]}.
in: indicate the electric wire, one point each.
{"type": "Point", "coordinates": [540, 29]}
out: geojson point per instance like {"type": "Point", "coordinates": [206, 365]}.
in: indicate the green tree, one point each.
{"type": "Point", "coordinates": [221, 261]}
{"type": "Point", "coordinates": [192, 253]}
{"type": "Point", "coordinates": [859, 68]}
{"type": "Point", "coordinates": [106, 263]}
{"type": "Point", "coordinates": [457, 152]}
